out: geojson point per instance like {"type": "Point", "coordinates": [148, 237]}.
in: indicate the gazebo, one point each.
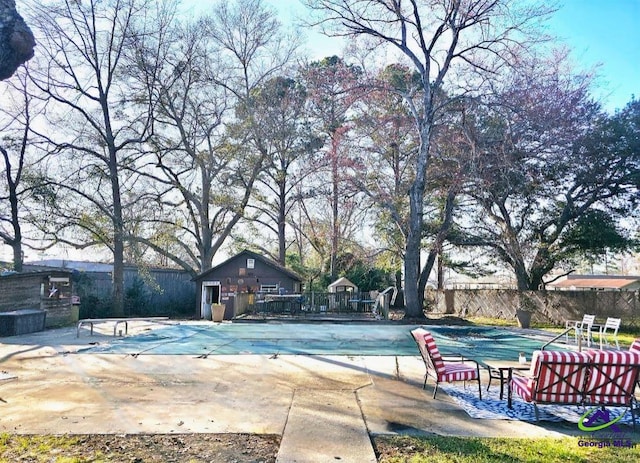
{"type": "Point", "coordinates": [342, 285]}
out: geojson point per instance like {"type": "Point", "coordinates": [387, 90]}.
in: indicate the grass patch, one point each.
{"type": "Point", "coordinates": [414, 449]}
{"type": "Point", "coordinates": [147, 448]}
{"type": "Point", "coordinates": [488, 321]}
{"type": "Point", "coordinates": [626, 334]}
{"type": "Point", "coordinates": [37, 448]}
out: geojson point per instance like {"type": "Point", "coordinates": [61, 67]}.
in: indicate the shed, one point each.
{"type": "Point", "coordinates": [598, 282]}
{"type": "Point", "coordinates": [246, 272]}
{"type": "Point", "coordinates": [150, 291]}
{"type": "Point", "coordinates": [342, 285]}
{"type": "Point", "coordinates": [49, 292]}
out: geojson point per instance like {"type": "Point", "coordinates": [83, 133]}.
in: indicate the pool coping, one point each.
{"type": "Point", "coordinates": [57, 392]}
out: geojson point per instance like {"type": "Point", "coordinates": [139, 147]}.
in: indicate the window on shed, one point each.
{"type": "Point", "coordinates": [269, 288]}
{"type": "Point", "coordinates": [251, 263]}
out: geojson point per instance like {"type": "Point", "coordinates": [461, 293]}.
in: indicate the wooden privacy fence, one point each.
{"type": "Point", "coordinates": [154, 292]}
{"type": "Point", "coordinates": [550, 306]}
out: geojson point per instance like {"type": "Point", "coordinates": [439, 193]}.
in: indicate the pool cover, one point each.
{"type": "Point", "coordinates": [481, 343]}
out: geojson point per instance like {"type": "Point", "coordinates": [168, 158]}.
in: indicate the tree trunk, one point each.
{"type": "Point", "coordinates": [117, 221]}
{"type": "Point", "coordinates": [17, 255]}
{"type": "Point", "coordinates": [440, 272]}
{"type": "Point", "coordinates": [14, 241]}
{"type": "Point", "coordinates": [413, 299]}
{"type": "Point", "coordinates": [118, 278]}
{"type": "Point", "coordinates": [282, 226]}
{"type": "Point", "coordinates": [334, 207]}
{"type": "Point", "coordinates": [118, 251]}
{"type": "Point", "coordinates": [522, 278]}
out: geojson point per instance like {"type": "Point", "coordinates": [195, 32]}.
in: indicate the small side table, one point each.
{"type": "Point", "coordinates": [501, 370]}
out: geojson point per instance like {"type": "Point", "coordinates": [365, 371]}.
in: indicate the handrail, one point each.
{"type": "Point", "coordinates": [564, 333]}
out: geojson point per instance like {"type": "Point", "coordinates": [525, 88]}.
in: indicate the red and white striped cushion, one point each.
{"type": "Point", "coordinates": [522, 386]}
{"type": "Point", "coordinates": [557, 377]}
{"type": "Point", "coordinates": [458, 372]}
{"type": "Point", "coordinates": [635, 346]}
{"type": "Point", "coordinates": [429, 349]}
{"type": "Point", "coordinates": [613, 377]}
{"type": "Point", "coordinates": [436, 357]}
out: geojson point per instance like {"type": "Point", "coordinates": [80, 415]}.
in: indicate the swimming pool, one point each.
{"type": "Point", "coordinates": [482, 343]}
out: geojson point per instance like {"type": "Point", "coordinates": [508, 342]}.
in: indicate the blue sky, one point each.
{"type": "Point", "coordinates": [605, 33]}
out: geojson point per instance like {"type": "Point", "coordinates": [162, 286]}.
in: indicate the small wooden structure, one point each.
{"type": "Point", "coordinates": [24, 295]}
{"type": "Point", "coordinates": [342, 285]}
{"type": "Point", "coordinates": [246, 273]}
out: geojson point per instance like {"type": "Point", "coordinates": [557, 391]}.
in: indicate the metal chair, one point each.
{"type": "Point", "coordinates": [612, 380]}
{"type": "Point", "coordinates": [441, 368]}
{"type": "Point", "coordinates": [582, 329]}
{"type": "Point", "coordinates": [556, 378]}
{"type": "Point", "coordinates": [610, 328]}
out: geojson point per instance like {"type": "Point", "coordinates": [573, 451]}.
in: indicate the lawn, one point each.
{"type": "Point", "coordinates": [412, 449]}
{"type": "Point", "coordinates": [626, 335]}
{"type": "Point", "coordinates": [243, 448]}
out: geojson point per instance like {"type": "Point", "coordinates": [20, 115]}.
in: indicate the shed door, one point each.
{"type": "Point", "coordinates": [210, 295]}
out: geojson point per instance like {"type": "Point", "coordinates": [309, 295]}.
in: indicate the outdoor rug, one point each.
{"type": "Point", "coordinates": [492, 408]}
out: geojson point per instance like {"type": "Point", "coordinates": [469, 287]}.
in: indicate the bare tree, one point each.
{"type": "Point", "coordinates": [208, 149]}
{"type": "Point", "coordinates": [281, 120]}
{"type": "Point", "coordinates": [438, 38]}
{"type": "Point", "coordinates": [193, 161]}
{"type": "Point", "coordinates": [83, 74]}
{"type": "Point", "coordinates": [16, 47]}
{"type": "Point", "coordinates": [15, 122]}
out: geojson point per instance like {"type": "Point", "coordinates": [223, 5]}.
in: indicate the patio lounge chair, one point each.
{"type": "Point", "coordinates": [612, 379]}
{"type": "Point", "coordinates": [581, 328]}
{"type": "Point", "coordinates": [635, 347]}
{"type": "Point", "coordinates": [555, 377]}
{"type": "Point", "coordinates": [440, 368]}
{"type": "Point", "coordinates": [610, 328]}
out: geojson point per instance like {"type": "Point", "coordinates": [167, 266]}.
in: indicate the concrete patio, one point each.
{"type": "Point", "coordinates": [49, 388]}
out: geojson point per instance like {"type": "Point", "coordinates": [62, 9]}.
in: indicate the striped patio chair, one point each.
{"type": "Point", "coordinates": [554, 378]}
{"type": "Point", "coordinates": [613, 379]}
{"type": "Point", "coordinates": [447, 369]}
{"type": "Point", "coordinates": [635, 347]}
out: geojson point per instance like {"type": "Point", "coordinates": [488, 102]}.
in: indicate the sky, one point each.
{"type": "Point", "coordinates": [603, 33]}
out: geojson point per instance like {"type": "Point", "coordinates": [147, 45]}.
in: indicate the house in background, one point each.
{"type": "Point", "coordinates": [597, 282]}
{"type": "Point", "coordinates": [244, 273]}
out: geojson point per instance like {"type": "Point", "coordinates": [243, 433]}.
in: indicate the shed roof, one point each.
{"type": "Point", "coordinates": [342, 281]}
{"type": "Point", "coordinates": [256, 256]}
